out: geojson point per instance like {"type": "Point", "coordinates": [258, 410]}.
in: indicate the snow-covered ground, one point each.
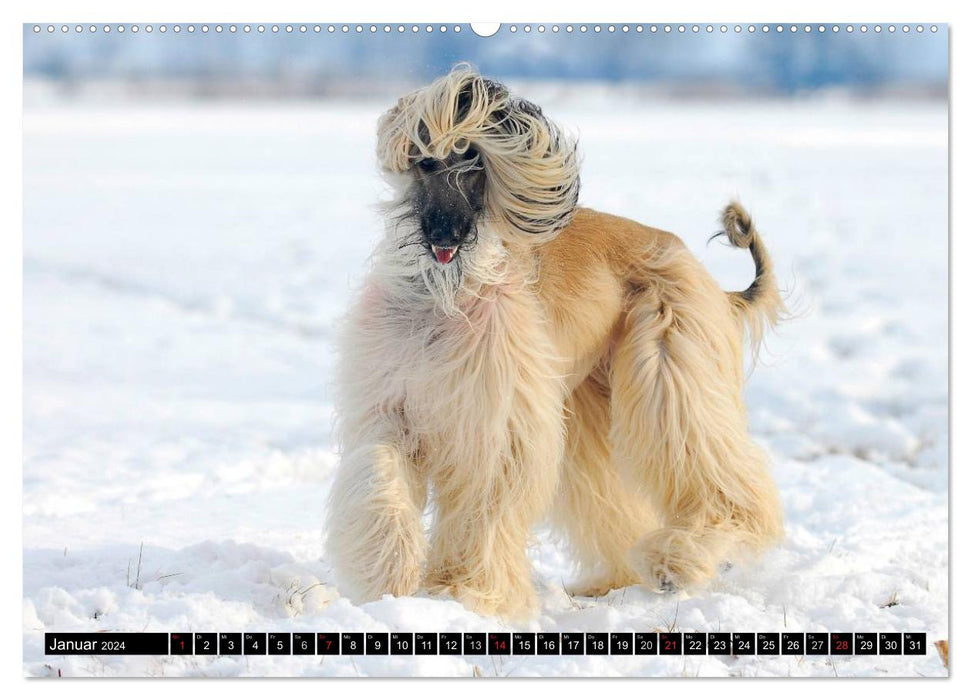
{"type": "Point", "coordinates": [183, 269]}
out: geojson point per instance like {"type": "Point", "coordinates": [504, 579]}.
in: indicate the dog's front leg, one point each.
{"type": "Point", "coordinates": [374, 524]}
{"type": "Point", "coordinates": [487, 501]}
{"type": "Point", "coordinates": [479, 549]}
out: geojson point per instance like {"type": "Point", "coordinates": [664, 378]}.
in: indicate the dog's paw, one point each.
{"type": "Point", "coordinates": [443, 591]}
{"type": "Point", "coordinates": [665, 581]}
{"type": "Point", "coordinates": [598, 586]}
{"type": "Point", "coordinates": [665, 585]}
{"type": "Point", "coordinates": [505, 603]}
{"type": "Point", "coordinates": [592, 589]}
{"type": "Point", "coordinates": [672, 560]}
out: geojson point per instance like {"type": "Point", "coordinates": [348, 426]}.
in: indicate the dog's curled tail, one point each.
{"type": "Point", "coordinates": [759, 307]}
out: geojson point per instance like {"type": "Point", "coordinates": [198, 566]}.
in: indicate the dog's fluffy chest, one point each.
{"type": "Point", "coordinates": [442, 369]}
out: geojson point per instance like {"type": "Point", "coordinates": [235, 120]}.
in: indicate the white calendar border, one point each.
{"type": "Point", "coordinates": [830, 11]}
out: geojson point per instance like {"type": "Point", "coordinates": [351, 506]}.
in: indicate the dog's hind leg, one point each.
{"type": "Point", "coordinates": [679, 425]}
{"type": "Point", "coordinates": [374, 528]}
{"type": "Point", "coordinates": [601, 515]}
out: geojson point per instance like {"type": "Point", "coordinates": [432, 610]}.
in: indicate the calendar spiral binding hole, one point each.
{"type": "Point", "coordinates": [511, 28]}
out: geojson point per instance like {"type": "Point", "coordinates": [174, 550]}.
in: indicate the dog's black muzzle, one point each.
{"type": "Point", "coordinates": [447, 203]}
{"type": "Point", "coordinates": [446, 229]}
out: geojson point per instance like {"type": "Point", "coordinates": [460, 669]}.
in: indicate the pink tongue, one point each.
{"type": "Point", "coordinates": [444, 255]}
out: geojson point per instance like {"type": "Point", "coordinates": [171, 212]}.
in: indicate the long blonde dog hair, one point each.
{"type": "Point", "coordinates": [566, 364]}
{"type": "Point", "coordinates": [534, 177]}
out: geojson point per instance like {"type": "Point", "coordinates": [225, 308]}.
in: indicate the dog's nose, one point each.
{"type": "Point", "coordinates": [445, 231]}
{"type": "Point", "coordinates": [445, 240]}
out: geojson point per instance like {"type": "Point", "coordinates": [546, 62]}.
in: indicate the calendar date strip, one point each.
{"type": "Point", "coordinates": [486, 644]}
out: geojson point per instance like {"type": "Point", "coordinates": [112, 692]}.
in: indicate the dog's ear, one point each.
{"type": "Point", "coordinates": [527, 107]}
{"type": "Point", "coordinates": [536, 185]}
{"type": "Point", "coordinates": [495, 93]}
{"type": "Point", "coordinates": [389, 148]}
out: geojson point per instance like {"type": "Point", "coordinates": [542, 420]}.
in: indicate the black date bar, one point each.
{"type": "Point", "coordinates": [106, 643]}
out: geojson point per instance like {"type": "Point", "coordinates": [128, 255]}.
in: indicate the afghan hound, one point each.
{"type": "Point", "coordinates": [513, 356]}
